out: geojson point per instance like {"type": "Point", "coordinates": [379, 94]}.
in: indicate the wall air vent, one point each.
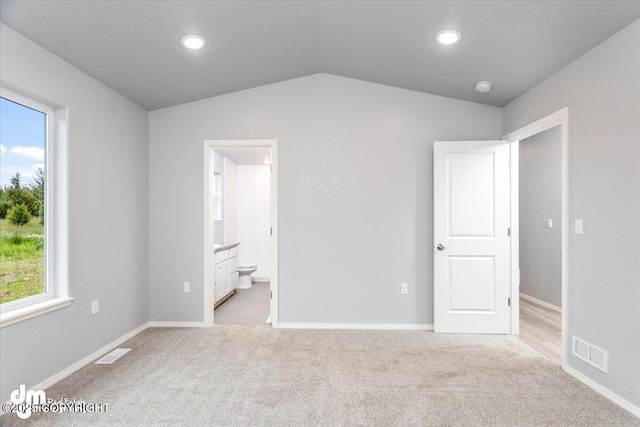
{"type": "Point", "coordinates": [113, 356]}
{"type": "Point", "coordinates": [594, 356]}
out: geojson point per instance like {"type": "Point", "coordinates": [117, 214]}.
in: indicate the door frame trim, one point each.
{"type": "Point", "coordinates": [208, 262]}
{"type": "Point", "coordinates": [559, 118]}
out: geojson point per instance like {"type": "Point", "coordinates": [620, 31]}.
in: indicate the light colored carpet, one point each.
{"type": "Point", "coordinates": [245, 307]}
{"type": "Point", "coordinates": [258, 376]}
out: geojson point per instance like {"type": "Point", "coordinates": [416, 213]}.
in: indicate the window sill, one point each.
{"type": "Point", "coordinates": [33, 310]}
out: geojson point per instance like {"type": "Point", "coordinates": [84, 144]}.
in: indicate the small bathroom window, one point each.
{"type": "Point", "coordinates": [217, 196]}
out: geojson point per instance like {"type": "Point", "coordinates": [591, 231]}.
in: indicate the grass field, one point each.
{"type": "Point", "coordinates": [21, 260]}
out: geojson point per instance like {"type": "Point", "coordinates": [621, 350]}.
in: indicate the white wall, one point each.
{"type": "Point", "coordinates": [355, 194]}
{"type": "Point", "coordinates": [108, 213]}
{"type": "Point", "coordinates": [218, 225]}
{"type": "Point", "coordinates": [254, 218]}
{"type": "Point", "coordinates": [230, 203]}
{"type": "Point", "coordinates": [540, 171]}
{"type": "Point", "coordinates": [602, 91]}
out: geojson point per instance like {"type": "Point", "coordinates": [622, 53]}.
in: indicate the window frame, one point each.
{"type": "Point", "coordinates": [54, 295]}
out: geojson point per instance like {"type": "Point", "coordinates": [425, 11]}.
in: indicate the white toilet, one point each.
{"type": "Point", "coordinates": [244, 280]}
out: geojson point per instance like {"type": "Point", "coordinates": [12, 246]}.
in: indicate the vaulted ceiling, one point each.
{"type": "Point", "coordinates": [134, 46]}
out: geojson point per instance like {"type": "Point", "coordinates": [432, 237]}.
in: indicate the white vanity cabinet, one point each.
{"type": "Point", "coordinates": [222, 279]}
{"type": "Point", "coordinates": [226, 272]}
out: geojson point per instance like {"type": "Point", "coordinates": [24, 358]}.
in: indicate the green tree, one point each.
{"type": "Point", "coordinates": [5, 204]}
{"type": "Point", "coordinates": [17, 194]}
{"type": "Point", "coordinates": [37, 188]}
{"type": "Point", "coordinates": [14, 192]}
{"type": "Point", "coordinates": [41, 213]}
{"type": "Point", "coordinates": [30, 201]}
{"type": "Point", "coordinates": [19, 215]}
{"type": "Point", "coordinates": [15, 182]}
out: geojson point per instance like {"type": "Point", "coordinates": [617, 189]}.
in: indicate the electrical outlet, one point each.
{"type": "Point", "coordinates": [549, 223]}
{"type": "Point", "coordinates": [186, 286]}
{"type": "Point", "coordinates": [404, 288]}
{"type": "Point", "coordinates": [95, 307]}
{"type": "Point", "coordinates": [579, 227]}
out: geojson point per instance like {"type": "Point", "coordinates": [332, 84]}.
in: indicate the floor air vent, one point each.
{"type": "Point", "coordinates": [591, 354]}
{"type": "Point", "coordinates": [113, 356]}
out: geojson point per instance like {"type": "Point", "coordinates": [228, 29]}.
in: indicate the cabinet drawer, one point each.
{"type": "Point", "coordinates": [233, 264]}
{"type": "Point", "coordinates": [222, 256]}
{"type": "Point", "coordinates": [233, 252]}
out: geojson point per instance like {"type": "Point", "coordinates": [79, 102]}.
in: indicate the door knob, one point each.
{"type": "Point", "coordinates": [440, 247]}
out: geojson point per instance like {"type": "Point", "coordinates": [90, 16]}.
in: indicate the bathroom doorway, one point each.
{"type": "Point", "coordinates": [241, 232]}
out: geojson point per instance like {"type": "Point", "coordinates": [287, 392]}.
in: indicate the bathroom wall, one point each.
{"type": "Point", "coordinates": [230, 202]}
{"type": "Point", "coordinates": [540, 200]}
{"type": "Point", "coordinates": [355, 194]}
{"type": "Point", "coordinates": [218, 162]}
{"type": "Point", "coordinates": [254, 218]}
{"type": "Point", "coordinates": [218, 225]}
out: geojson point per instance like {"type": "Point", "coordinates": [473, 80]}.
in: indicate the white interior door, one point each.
{"type": "Point", "coordinates": [471, 237]}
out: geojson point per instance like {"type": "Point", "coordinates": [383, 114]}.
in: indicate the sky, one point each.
{"type": "Point", "coordinates": [22, 141]}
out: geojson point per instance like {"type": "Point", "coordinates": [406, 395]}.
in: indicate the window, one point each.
{"type": "Point", "coordinates": [27, 285]}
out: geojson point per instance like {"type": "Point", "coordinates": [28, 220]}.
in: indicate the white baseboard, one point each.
{"type": "Point", "coordinates": [90, 358]}
{"type": "Point", "coordinates": [87, 360]}
{"type": "Point", "coordinates": [260, 279]}
{"type": "Point", "coordinates": [176, 324]}
{"type": "Point", "coordinates": [540, 302]}
{"type": "Point", "coordinates": [372, 326]}
{"type": "Point", "coordinates": [623, 403]}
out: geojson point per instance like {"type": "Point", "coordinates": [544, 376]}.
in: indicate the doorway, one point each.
{"type": "Point", "coordinates": [541, 319]}
{"type": "Point", "coordinates": [477, 232]}
{"type": "Point", "coordinates": [540, 231]}
{"type": "Point", "coordinates": [241, 232]}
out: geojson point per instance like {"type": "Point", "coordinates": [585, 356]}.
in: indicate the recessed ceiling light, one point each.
{"type": "Point", "coordinates": [448, 37]}
{"type": "Point", "coordinates": [193, 42]}
{"type": "Point", "coordinates": [267, 161]}
{"type": "Point", "coordinates": [483, 86]}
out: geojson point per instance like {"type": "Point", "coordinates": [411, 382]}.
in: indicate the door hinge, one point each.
{"type": "Point", "coordinates": [271, 294]}
{"type": "Point", "coordinates": [271, 231]}
{"type": "Point", "coordinates": [509, 301]}
{"type": "Point", "coordinates": [509, 231]}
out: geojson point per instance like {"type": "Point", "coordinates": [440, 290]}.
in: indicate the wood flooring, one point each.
{"type": "Point", "coordinates": [540, 327]}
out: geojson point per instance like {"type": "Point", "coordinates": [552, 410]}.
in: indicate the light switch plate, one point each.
{"type": "Point", "coordinates": [549, 223]}
{"type": "Point", "coordinates": [186, 286]}
{"type": "Point", "coordinates": [404, 288]}
{"type": "Point", "coordinates": [579, 229]}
